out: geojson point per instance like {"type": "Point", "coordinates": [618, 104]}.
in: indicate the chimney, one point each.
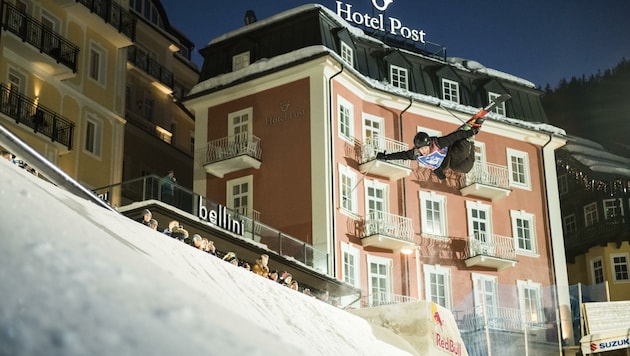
{"type": "Point", "coordinates": [250, 17]}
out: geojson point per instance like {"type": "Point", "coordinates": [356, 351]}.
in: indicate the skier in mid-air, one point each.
{"type": "Point", "coordinates": [455, 150]}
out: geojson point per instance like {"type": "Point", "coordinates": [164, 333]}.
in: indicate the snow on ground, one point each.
{"type": "Point", "coordinates": [77, 279]}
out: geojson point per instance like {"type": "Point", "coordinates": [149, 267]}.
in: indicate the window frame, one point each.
{"type": "Point", "coordinates": [617, 209]}
{"type": "Point", "coordinates": [347, 172]}
{"type": "Point", "coordinates": [450, 90]}
{"type": "Point", "coordinates": [440, 201]}
{"type": "Point", "coordinates": [525, 174]}
{"type": "Point", "coordinates": [563, 184]}
{"type": "Point", "coordinates": [229, 196]}
{"type": "Point", "coordinates": [572, 223]}
{"type": "Point", "coordinates": [342, 103]}
{"type": "Point", "coordinates": [521, 215]}
{"type": "Point", "coordinates": [594, 270]}
{"type": "Point", "coordinates": [95, 139]}
{"type": "Point", "coordinates": [529, 285]}
{"type": "Point", "coordinates": [445, 272]}
{"type": "Point", "coordinates": [399, 76]}
{"type": "Point", "coordinates": [613, 268]}
{"type": "Point", "coordinates": [101, 64]}
{"type": "Point", "coordinates": [347, 54]}
{"type": "Point", "coordinates": [499, 109]}
{"type": "Point", "coordinates": [241, 60]}
{"type": "Point", "coordinates": [591, 214]}
{"type": "Point", "coordinates": [381, 261]}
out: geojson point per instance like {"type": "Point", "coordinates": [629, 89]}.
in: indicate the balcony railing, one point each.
{"type": "Point", "coordinates": [141, 60]}
{"type": "Point", "coordinates": [230, 154]}
{"type": "Point", "coordinates": [498, 318]}
{"type": "Point", "coordinates": [42, 120]}
{"type": "Point", "coordinates": [391, 169]}
{"type": "Point", "coordinates": [149, 187]}
{"type": "Point", "coordinates": [44, 39]}
{"type": "Point", "coordinates": [486, 180]}
{"type": "Point", "coordinates": [387, 231]}
{"type": "Point", "coordinates": [615, 229]}
{"type": "Point", "coordinates": [113, 14]}
{"type": "Point", "coordinates": [384, 298]}
{"type": "Point", "coordinates": [489, 250]}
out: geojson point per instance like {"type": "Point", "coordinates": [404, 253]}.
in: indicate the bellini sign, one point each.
{"type": "Point", "coordinates": [379, 22]}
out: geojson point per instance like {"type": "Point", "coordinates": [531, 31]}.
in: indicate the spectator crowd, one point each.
{"type": "Point", "coordinates": [260, 267]}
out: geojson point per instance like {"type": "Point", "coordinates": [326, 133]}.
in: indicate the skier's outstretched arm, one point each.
{"type": "Point", "coordinates": [455, 136]}
{"type": "Point", "coordinates": [405, 155]}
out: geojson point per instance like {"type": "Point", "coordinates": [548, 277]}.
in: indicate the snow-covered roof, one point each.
{"type": "Point", "coordinates": [596, 158]}
{"type": "Point", "coordinates": [360, 34]}
{"type": "Point", "coordinates": [312, 51]}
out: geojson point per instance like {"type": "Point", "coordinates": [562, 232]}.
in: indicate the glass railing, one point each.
{"type": "Point", "coordinates": [151, 188]}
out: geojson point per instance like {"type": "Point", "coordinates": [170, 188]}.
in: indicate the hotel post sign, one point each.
{"type": "Point", "coordinates": [380, 22]}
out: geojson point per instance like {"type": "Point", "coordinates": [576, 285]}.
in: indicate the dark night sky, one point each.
{"type": "Point", "coordinates": [541, 41]}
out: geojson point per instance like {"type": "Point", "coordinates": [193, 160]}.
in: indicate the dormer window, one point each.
{"type": "Point", "coordinates": [347, 54]}
{"type": "Point", "coordinates": [450, 90]}
{"type": "Point", "coordinates": [398, 77]}
{"type": "Point", "coordinates": [240, 61]}
{"type": "Point", "coordinates": [499, 109]}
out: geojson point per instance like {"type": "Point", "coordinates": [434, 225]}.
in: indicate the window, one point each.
{"type": "Point", "coordinates": [347, 185]}
{"type": "Point", "coordinates": [191, 135]}
{"type": "Point", "coordinates": [450, 90]}
{"type": "Point", "coordinates": [398, 77]}
{"type": "Point", "coordinates": [93, 136]}
{"type": "Point", "coordinates": [50, 25]}
{"type": "Point", "coordinates": [486, 293]}
{"type": "Point", "coordinates": [437, 282]}
{"type": "Point", "coordinates": [590, 214]}
{"type": "Point", "coordinates": [570, 223]}
{"type": "Point", "coordinates": [530, 300]}
{"type": "Point", "coordinates": [499, 109]}
{"type": "Point", "coordinates": [347, 54]}
{"type": "Point", "coordinates": [523, 231]}
{"type": "Point", "coordinates": [148, 105]}
{"type": "Point", "coordinates": [479, 228]}
{"type": "Point", "coordinates": [619, 267]}
{"type": "Point", "coordinates": [379, 280]}
{"type": "Point", "coordinates": [240, 61]}
{"type": "Point", "coordinates": [612, 208]}
{"type": "Point", "coordinates": [239, 123]}
{"type": "Point", "coordinates": [373, 136]}
{"type": "Point", "coordinates": [518, 166]}
{"type": "Point", "coordinates": [148, 10]}
{"type": "Point", "coordinates": [376, 196]}
{"type": "Point", "coordinates": [346, 119]}
{"type": "Point", "coordinates": [563, 184]}
{"type": "Point", "coordinates": [350, 264]}
{"type": "Point", "coordinates": [97, 64]}
{"type": "Point", "coordinates": [597, 270]}
{"type": "Point", "coordinates": [433, 214]}
{"type": "Point", "coordinates": [239, 196]}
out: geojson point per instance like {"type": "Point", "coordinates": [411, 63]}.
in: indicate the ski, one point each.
{"type": "Point", "coordinates": [474, 120]}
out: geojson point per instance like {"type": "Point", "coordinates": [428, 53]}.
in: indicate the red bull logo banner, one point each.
{"type": "Point", "coordinates": [443, 340]}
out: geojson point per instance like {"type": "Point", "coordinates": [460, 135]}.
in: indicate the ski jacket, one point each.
{"type": "Point", "coordinates": [439, 150]}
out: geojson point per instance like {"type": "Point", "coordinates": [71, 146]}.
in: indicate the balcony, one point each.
{"type": "Point", "coordinates": [393, 170]}
{"type": "Point", "coordinates": [105, 17]}
{"type": "Point", "coordinates": [388, 231]}
{"type": "Point", "coordinates": [42, 120]}
{"type": "Point", "coordinates": [492, 251]}
{"type": "Point", "coordinates": [614, 229]}
{"type": "Point", "coordinates": [140, 60]}
{"type": "Point", "coordinates": [230, 154]}
{"type": "Point", "coordinates": [486, 180]}
{"type": "Point", "coordinates": [60, 55]}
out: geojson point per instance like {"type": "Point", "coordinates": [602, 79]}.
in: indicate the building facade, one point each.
{"type": "Point", "coordinates": [294, 109]}
{"type": "Point", "coordinates": [95, 87]}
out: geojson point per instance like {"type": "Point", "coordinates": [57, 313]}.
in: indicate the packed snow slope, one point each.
{"type": "Point", "coordinates": [77, 279]}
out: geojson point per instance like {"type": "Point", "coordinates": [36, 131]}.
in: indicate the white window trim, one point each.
{"type": "Point", "coordinates": [441, 200]}
{"type": "Point", "coordinates": [499, 109]}
{"type": "Point", "coordinates": [347, 248]}
{"type": "Point", "coordinates": [563, 184]}
{"type": "Point", "coordinates": [596, 214]}
{"type": "Point", "coordinates": [347, 54]}
{"type": "Point", "coordinates": [345, 103]}
{"type": "Point", "coordinates": [238, 61]}
{"type": "Point", "coordinates": [348, 172]}
{"type": "Point", "coordinates": [527, 185]}
{"type": "Point", "coordinates": [564, 222]}
{"type": "Point", "coordinates": [477, 281]}
{"type": "Point", "coordinates": [450, 83]}
{"type": "Point", "coordinates": [229, 198]}
{"type": "Point", "coordinates": [520, 214]}
{"type": "Point", "coordinates": [612, 268]}
{"type": "Point", "coordinates": [592, 268]}
{"type": "Point", "coordinates": [102, 64]}
{"type": "Point", "coordinates": [379, 186]}
{"type": "Point", "coordinates": [620, 205]}
{"type": "Point", "coordinates": [402, 73]}
{"type": "Point", "coordinates": [249, 111]}
{"type": "Point", "coordinates": [522, 285]}
{"type": "Point", "coordinates": [98, 137]}
{"type": "Point", "coordinates": [446, 272]}
{"type": "Point", "coordinates": [384, 261]}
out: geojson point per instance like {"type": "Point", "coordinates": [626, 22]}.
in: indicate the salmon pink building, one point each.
{"type": "Point", "coordinates": [290, 114]}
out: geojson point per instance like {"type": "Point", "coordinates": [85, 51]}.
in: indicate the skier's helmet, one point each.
{"type": "Point", "coordinates": [422, 139]}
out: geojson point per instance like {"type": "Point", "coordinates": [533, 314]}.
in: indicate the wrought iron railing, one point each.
{"type": "Point", "coordinates": [142, 60]}
{"type": "Point", "coordinates": [149, 188]}
{"type": "Point", "coordinates": [482, 243]}
{"type": "Point", "coordinates": [615, 229]}
{"type": "Point", "coordinates": [375, 144]}
{"type": "Point", "coordinates": [43, 38]}
{"type": "Point", "coordinates": [229, 147]}
{"type": "Point", "coordinates": [113, 14]}
{"type": "Point", "coordinates": [394, 226]}
{"type": "Point", "coordinates": [27, 111]}
{"type": "Point", "coordinates": [488, 174]}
